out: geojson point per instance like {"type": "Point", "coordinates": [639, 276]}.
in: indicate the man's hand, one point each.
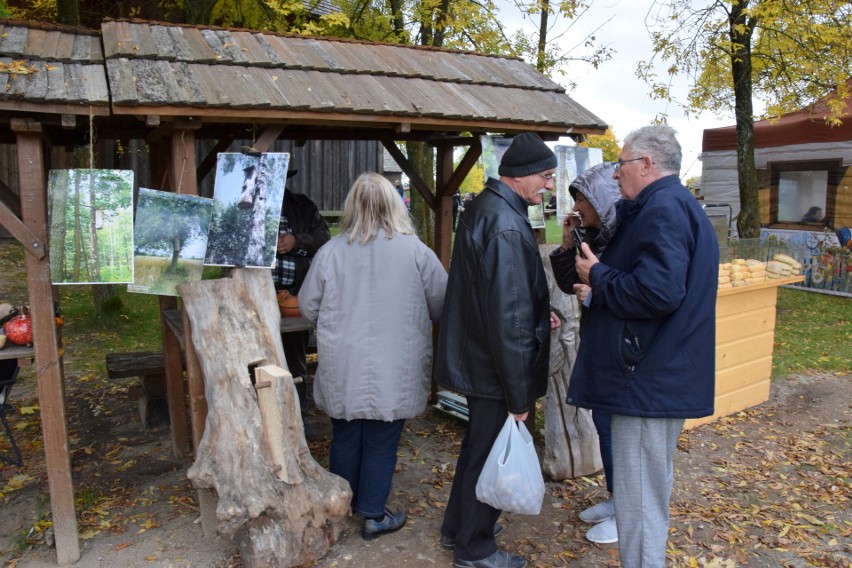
{"type": "Point", "coordinates": [555, 322]}
{"type": "Point", "coordinates": [286, 243]}
{"type": "Point", "coordinates": [569, 223]}
{"type": "Point", "coordinates": [582, 291]}
{"type": "Point", "coordinates": [520, 417]}
{"type": "Point", "coordinates": [585, 262]}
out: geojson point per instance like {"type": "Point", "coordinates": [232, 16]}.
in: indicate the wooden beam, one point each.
{"type": "Point", "coordinates": [444, 211]}
{"type": "Point", "coordinates": [464, 167]}
{"type": "Point", "coordinates": [210, 159]}
{"type": "Point", "coordinates": [21, 232]}
{"type": "Point", "coordinates": [413, 176]}
{"type": "Point", "coordinates": [268, 137]}
{"type": "Point", "coordinates": [51, 392]}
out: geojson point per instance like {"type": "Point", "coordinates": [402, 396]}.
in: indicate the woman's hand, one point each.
{"type": "Point", "coordinates": [582, 292]}
{"type": "Point", "coordinates": [569, 223]}
{"type": "Point", "coordinates": [555, 322]}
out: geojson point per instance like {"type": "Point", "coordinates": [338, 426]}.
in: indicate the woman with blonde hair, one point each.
{"type": "Point", "coordinates": [372, 293]}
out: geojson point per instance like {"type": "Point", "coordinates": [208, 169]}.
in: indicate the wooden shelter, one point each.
{"type": "Point", "coordinates": [172, 86]}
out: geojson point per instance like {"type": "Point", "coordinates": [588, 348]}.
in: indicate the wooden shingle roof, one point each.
{"type": "Point", "coordinates": [51, 67]}
{"type": "Point", "coordinates": [232, 75]}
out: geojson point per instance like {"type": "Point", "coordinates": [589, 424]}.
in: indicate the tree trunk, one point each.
{"type": "Point", "coordinates": [281, 505]}
{"type": "Point", "coordinates": [422, 159]}
{"type": "Point", "coordinates": [58, 219]}
{"type": "Point", "coordinates": [741, 29]}
{"type": "Point", "coordinates": [571, 447]}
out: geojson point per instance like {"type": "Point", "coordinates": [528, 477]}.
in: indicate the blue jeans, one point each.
{"type": "Point", "coordinates": [602, 420]}
{"type": "Point", "coordinates": [363, 452]}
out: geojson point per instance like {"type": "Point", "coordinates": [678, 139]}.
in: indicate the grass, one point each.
{"type": "Point", "coordinates": [813, 331]}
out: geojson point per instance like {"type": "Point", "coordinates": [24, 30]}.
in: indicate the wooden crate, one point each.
{"type": "Point", "coordinates": [745, 335]}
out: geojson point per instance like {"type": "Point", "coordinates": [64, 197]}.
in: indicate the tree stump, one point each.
{"type": "Point", "coordinates": [570, 440]}
{"type": "Point", "coordinates": [283, 508]}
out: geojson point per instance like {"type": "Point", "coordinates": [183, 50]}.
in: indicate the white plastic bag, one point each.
{"type": "Point", "coordinates": [511, 478]}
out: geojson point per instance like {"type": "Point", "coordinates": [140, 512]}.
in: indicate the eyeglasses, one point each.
{"type": "Point", "coordinates": [548, 177]}
{"type": "Point", "coordinates": [617, 165]}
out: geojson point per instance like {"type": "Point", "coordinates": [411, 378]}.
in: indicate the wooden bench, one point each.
{"type": "Point", "coordinates": [150, 367]}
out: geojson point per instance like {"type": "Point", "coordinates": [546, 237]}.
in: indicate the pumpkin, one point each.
{"type": "Point", "coordinates": [288, 304]}
{"type": "Point", "coordinates": [19, 330]}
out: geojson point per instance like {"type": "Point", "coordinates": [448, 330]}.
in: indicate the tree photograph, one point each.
{"type": "Point", "coordinates": [247, 195]}
{"type": "Point", "coordinates": [170, 236]}
{"type": "Point", "coordinates": [91, 215]}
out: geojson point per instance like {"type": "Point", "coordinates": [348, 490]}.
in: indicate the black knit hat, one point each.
{"type": "Point", "coordinates": [527, 155]}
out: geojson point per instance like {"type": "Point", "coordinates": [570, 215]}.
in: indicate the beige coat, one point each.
{"type": "Point", "coordinates": [373, 306]}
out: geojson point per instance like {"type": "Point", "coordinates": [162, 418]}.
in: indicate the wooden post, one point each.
{"type": "Point", "coordinates": [51, 394]}
{"type": "Point", "coordinates": [182, 180]}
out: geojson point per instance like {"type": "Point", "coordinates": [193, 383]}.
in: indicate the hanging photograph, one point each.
{"type": "Point", "coordinates": [247, 197]}
{"type": "Point", "coordinates": [90, 226]}
{"type": "Point", "coordinates": [170, 237]}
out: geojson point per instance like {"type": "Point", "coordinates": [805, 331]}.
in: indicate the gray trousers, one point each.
{"type": "Point", "coordinates": [642, 454]}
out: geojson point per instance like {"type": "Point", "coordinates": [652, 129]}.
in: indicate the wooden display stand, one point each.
{"type": "Point", "coordinates": [745, 335]}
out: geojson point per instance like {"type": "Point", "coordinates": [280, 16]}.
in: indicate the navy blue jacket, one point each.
{"type": "Point", "coordinates": [649, 337]}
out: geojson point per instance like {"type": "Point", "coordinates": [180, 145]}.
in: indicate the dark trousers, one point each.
{"type": "Point", "coordinates": [363, 452]}
{"type": "Point", "coordinates": [603, 420]}
{"type": "Point", "coordinates": [295, 347]}
{"type": "Point", "coordinates": [467, 521]}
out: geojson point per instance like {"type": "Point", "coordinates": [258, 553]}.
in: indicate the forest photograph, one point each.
{"type": "Point", "coordinates": [90, 226]}
{"type": "Point", "coordinates": [248, 194]}
{"type": "Point", "coordinates": [170, 237]}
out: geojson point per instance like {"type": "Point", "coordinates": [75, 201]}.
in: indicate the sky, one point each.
{"type": "Point", "coordinates": [613, 92]}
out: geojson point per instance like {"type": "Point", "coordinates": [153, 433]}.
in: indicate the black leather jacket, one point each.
{"type": "Point", "coordinates": [309, 228]}
{"type": "Point", "coordinates": [494, 337]}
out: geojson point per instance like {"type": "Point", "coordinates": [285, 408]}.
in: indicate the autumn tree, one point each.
{"type": "Point", "coordinates": [784, 55]}
{"type": "Point", "coordinates": [606, 142]}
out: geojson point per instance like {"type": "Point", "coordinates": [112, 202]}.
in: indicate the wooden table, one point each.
{"type": "Point", "coordinates": [288, 325]}
{"type": "Point", "coordinates": [11, 351]}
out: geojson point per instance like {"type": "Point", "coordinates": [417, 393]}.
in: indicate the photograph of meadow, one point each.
{"type": "Point", "coordinates": [170, 237]}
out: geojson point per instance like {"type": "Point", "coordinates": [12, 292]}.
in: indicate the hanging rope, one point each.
{"type": "Point", "coordinates": [91, 138]}
{"type": "Point", "coordinates": [183, 162]}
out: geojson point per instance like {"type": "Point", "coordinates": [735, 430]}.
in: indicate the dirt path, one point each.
{"type": "Point", "coordinates": [768, 487]}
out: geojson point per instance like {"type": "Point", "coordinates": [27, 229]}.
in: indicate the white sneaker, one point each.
{"type": "Point", "coordinates": [605, 532]}
{"type": "Point", "coordinates": [598, 513]}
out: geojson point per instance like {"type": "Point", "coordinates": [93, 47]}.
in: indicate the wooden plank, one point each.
{"type": "Point", "coordinates": [50, 44]}
{"type": "Point", "coordinates": [35, 43]}
{"type": "Point", "coordinates": [164, 41]}
{"type": "Point", "coordinates": [182, 48]}
{"type": "Point", "coordinates": [122, 81]}
{"type": "Point", "coordinates": [200, 49]}
{"type": "Point", "coordinates": [743, 350]}
{"type": "Point", "coordinates": [13, 41]}
{"type": "Point", "coordinates": [144, 42]}
{"type": "Point", "coordinates": [37, 82]}
{"type": "Point", "coordinates": [734, 402]}
{"type": "Point", "coordinates": [253, 52]}
{"type": "Point", "coordinates": [737, 377]}
{"type": "Point", "coordinates": [65, 48]}
{"type": "Point", "coordinates": [55, 82]}
{"type": "Point", "coordinates": [118, 39]}
{"type": "Point", "coordinates": [230, 47]}
{"type": "Point", "coordinates": [749, 298]}
{"type": "Point", "coordinates": [75, 90]}
{"type": "Point", "coordinates": [738, 326]}
{"type": "Point", "coordinates": [95, 82]}
{"type": "Point", "coordinates": [271, 55]}
{"type": "Point", "coordinates": [51, 392]}
{"type": "Point", "coordinates": [215, 44]}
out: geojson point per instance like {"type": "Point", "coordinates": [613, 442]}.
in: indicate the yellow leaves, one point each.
{"type": "Point", "coordinates": [28, 409]}
{"type": "Point", "coordinates": [147, 524]}
{"type": "Point", "coordinates": [16, 482]}
{"type": "Point", "coordinates": [17, 68]}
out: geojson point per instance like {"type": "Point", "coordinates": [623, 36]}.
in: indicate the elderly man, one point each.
{"type": "Point", "coordinates": [647, 354]}
{"type": "Point", "coordinates": [494, 338]}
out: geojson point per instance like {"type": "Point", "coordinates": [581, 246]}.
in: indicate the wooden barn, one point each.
{"type": "Point", "coordinates": [185, 94]}
{"type": "Point", "coordinates": [804, 168]}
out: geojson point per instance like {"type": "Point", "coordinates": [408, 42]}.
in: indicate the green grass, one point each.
{"type": "Point", "coordinates": [812, 332]}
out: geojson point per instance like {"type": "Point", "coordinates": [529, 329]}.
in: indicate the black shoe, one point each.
{"type": "Point", "coordinates": [449, 542]}
{"type": "Point", "coordinates": [391, 522]}
{"type": "Point", "coordinates": [500, 559]}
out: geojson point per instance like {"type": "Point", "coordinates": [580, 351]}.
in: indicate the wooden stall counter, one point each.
{"type": "Point", "coordinates": [745, 336]}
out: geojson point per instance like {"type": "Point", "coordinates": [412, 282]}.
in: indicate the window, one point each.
{"type": "Point", "coordinates": [803, 193]}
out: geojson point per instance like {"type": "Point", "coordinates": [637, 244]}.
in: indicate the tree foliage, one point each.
{"type": "Point", "coordinates": [608, 144]}
{"type": "Point", "coordinates": [784, 54]}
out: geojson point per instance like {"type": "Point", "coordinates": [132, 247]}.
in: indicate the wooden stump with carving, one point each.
{"type": "Point", "coordinates": [283, 508]}
{"type": "Point", "coordinates": [570, 440]}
